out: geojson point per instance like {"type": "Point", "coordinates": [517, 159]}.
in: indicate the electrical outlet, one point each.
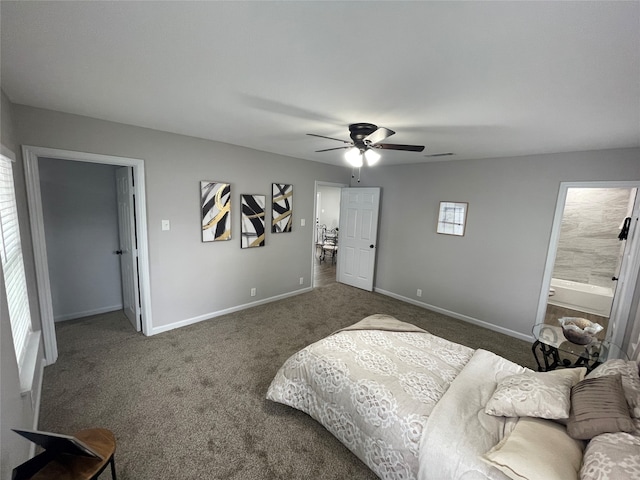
{"type": "Point", "coordinates": [302, 222]}
{"type": "Point", "coordinates": [253, 292]}
{"type": "Point", "coordinates": [419, 293]}
{"type": "Point", "coordinates": [301, 280]}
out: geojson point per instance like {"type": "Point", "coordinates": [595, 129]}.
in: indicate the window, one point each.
{"type": "Point", "coordinates": [12, 262]}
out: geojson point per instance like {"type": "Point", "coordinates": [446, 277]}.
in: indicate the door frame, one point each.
{"type": "Point", "coordinates": [30, 155]}
{"type": "Point", "coordinates": [319, 183]}
{"type": "Point", "coordinates": [627, 279]}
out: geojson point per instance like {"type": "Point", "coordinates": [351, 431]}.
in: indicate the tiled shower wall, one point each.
{"type": "Point", "coordinates": [589, 249]}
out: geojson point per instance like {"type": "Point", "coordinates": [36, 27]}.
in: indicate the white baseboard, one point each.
{"type": "Point", "coordinates": [459, 316]}
{"type": "Point", "coordinates": [87, 313]}
{"type": "Point", "coordinates": [207, 316]}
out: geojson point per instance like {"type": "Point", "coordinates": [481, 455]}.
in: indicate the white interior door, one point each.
{"type": "Point", "coordinates": [128, 250]}
{"type": "Point", "coordinates": [358, 236]}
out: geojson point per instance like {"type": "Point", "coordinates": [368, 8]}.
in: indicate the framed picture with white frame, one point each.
{"type": "Point", "coordinates": [452, 218]}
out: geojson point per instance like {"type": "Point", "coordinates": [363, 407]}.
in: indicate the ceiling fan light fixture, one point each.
{"type": "Point", "coordinates": [354, 157]}
{"type": "Point", "coordinates": [372, 157]}
{"type": "Point", "coordinates": [366, 139]}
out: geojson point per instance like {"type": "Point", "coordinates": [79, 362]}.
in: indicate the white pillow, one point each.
{"type": "Point", "coordinates": [537, 450]}
{"type": "Point", "coordinates": [535, 394]}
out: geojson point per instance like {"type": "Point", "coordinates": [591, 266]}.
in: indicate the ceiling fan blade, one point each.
{"type": "Point", "coordinates": [329, 149]}
{"type": "Point", "coordinates": [394, 146]}
{"type": "Point", "coordinates": [380, 134]}
{"type": "Point", "coordinates": [330, 138]}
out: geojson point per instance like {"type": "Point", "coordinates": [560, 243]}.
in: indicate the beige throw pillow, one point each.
{"type": "Point", "coordinates": [537, 450]}
{"type": "Point", "coordinates": [598, 406]}
{"type": "Point", "coordinates": [535, 394]}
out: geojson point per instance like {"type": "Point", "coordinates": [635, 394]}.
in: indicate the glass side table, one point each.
{"type": "Point", "coordinates": [552, 350]}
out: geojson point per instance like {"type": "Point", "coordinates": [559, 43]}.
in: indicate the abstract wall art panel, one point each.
{"type": "Point", "coordinates": [252, 232]}
{"type": "Point", "coordinates": [215, 200]}
{"type": "Point", "coordinates": [282, 208]}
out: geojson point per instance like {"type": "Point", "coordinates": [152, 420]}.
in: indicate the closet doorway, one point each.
{"type": "Point", "coordinates": [80, 214]}
{"type": "Point", "coordinates": [31, 156]}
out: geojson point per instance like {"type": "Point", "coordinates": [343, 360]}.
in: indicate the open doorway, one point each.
{"type": "Point", "coordinates": [31, 156]}
{"type": "Point", "coordinates": [80, 214]}
{"type": "Point", "coordinates": [592, 262]}
{"type": "Point", "coordinates": [326, 236]}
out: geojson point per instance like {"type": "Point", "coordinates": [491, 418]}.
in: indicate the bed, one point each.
{"type": "Point", "coordinates": [412, 405]}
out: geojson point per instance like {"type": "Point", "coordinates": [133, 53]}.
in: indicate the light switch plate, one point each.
{"type": "Point", "coordinates": [302, 222]}
{"type": "Point", "coordinates": [166, 225]}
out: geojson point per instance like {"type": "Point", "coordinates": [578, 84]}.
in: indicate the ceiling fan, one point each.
{"type": "Point", "coordinates": [365, 139]}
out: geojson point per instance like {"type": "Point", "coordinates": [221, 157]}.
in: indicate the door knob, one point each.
{"type": "Point", "coordinates": [615, 279]}
{"type": "Point", "coordinates": [118, 252]}
{"type": "Point", "coordinates": [371, 246]}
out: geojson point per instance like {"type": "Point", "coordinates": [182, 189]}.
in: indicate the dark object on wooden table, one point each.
{"type": "Point", "coordinates": [81, 457]}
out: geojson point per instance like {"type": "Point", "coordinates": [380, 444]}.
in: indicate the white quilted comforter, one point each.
{"type": "Point", "coordinates": [374, 386]}
{"type": "Point", "coordinates": [458, 431]}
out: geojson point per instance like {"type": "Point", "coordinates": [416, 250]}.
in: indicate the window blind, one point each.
{"type": "Point", "coordinates": [12, 261]}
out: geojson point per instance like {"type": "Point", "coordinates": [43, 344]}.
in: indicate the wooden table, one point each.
{"type": "Point", "coordinates": [73, 467]}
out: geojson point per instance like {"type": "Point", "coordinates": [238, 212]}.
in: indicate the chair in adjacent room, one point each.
{"type": "Point", "coordinates": [330, 244]}
{"type": "Point", "coordinates": [320, 231]}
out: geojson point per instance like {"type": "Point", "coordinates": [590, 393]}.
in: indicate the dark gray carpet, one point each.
{"type": "Point", "coordinates": [190, 403]}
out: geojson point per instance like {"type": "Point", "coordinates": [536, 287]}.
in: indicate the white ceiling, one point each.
{"type": "Point", "coordinates": [481, 79]}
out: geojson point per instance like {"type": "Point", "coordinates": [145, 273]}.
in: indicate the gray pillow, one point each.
{"type": "Point", "coordinates": [630, 380]}
{"type": "Point", "coordinates": [598, 406]}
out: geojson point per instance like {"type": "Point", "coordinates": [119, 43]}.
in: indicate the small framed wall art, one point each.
{"type": "Point", "coordinates": [215, 203]}
{"type": "Point", "coordinates": [452, 218]}
{"type": "Point", "coordinates": [252, 232]}
{"type": "Point", "coordinates": [282, 208]}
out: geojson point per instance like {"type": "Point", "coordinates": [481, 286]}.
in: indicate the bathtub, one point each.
{"type": "Point", "coordinates": [581, 297]}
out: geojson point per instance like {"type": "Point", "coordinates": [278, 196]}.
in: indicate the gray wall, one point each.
{"type": "Point", "coordinates": [588, 249]}
{"type": "Point", "coordinates": [190, 279]}
{"type": "Point", "coordinates": [17, 411]}
{"type": "Point", "coordinates": [80, 212]}
{"type": "Point", "coordinates": [494, 272]}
